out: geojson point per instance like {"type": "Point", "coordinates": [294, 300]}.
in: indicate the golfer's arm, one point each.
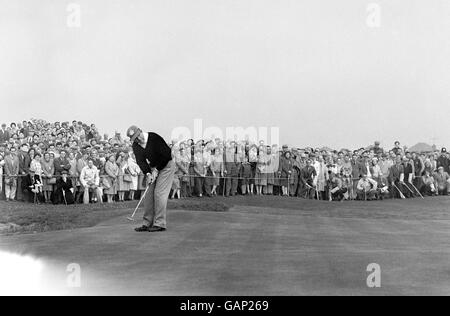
{"type": "Point", "coordinates": [142, 163]}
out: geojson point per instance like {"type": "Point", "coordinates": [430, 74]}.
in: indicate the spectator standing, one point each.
{"type": "Point", "coordinates": [12, 169]}
{"type": "Point", "coordinates": [112, 172]}
{"type": "Point", "coordinates": [133, 170]}
{"type": "Point", "coordinates": [48, 177]}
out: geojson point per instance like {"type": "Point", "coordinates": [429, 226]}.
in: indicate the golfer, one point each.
{"type": "Point", "coordinates": [154, 157]}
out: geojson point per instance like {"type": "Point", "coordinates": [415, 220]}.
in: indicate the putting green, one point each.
{"type": "Point", "coordinates": [262, 246]}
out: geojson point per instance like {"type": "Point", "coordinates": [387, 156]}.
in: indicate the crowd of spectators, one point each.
{"type": "Point", "coordinates": [67, 163]}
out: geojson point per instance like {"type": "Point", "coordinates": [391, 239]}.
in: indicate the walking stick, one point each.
{"type": "Point", "coordinates": [224, 183]}
{"type": "Point", "coordinates": [288, 184]}
{"type": "Point", "coordinates": [64, 196]}
{"type": "Point", "coordinates": [418, 191]}
{"type": "Point", "coordinates": [406, 185]}
{"type": "Point", "coordinates": [401, 194]}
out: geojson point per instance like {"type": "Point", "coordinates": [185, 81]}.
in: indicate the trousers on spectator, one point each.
{"type": "Point", "coordinates": [97, 191]}
{"type": "Point", "coordinates": [338, 194]}
{"type": "Point", "coordinates": [184, 189]}
{"type": "Point", "coordinates": [10, 190]}
{"type": "Point", "coordinates": [155, 202]}
{"type": "Point", "coordinates": [18, 189]}
{"type": "Point", "coordinates": [199, 185]}
{"type": "Point", "coordinates": [231, 185]}
{"type": "Point", "coordinates": [369, 195]}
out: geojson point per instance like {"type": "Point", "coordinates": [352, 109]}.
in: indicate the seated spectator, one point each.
{"type": "Point", "coordinates": [428, 184]}
{"type": "Point", "coordinates": [442, 180]}
{"type": "Point", "coordinates": [64, 190]}
{"type": "Point", "coordinates": [33, 184]}
{"type": "Point", "coordinates": [90, 180]}
{"type": "Point", "coordinates": [336, 189]}
{"type": "Point", "coordinates": [367, 189]}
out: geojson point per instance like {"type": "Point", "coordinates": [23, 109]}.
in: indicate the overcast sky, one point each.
{"type": "Point", "coordinates": [315, 69]}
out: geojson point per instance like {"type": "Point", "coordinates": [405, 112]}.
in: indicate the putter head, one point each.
{"type": "Point", "coordinates": [131, 219]}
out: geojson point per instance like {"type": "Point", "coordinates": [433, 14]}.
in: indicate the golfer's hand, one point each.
{"type": "Point", "coordinates": [149, 178]}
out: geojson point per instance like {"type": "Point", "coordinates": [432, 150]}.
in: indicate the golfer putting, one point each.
{"type": "Point", "coordinates": [154, 157]}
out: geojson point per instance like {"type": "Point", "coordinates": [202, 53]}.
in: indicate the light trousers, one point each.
{"type": "Point", "coordinates": [155, 202]}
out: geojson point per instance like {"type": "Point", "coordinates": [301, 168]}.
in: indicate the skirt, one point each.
{"type": "Point", "coordinates": [112, 186]}
{"type": "Point", "coordinates": [176, 183]}
{"type": "Point", "coordinates": [122, 186]}
{"type": "Point", "coordinates": [260, 178]}
{"type": "Point", "coordinates": [46, 186]}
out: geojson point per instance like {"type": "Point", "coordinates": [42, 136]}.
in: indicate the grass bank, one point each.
{"type": "Point", "coordinates": [17, 217]}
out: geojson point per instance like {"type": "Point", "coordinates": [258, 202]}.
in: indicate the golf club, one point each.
{"type": "Point", "coordinates": [131, 218]}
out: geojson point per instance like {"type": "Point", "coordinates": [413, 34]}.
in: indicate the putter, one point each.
{"type": "Point", "coordinates": [131, 218]}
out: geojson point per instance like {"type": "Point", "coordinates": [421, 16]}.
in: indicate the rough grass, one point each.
{"type": "Point", "coordinates": [18, 217]}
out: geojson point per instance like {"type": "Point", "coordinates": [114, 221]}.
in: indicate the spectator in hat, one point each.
{"type": "Point", "coordinates": [285, 172]}
{"type": "Point", "coordinates": [64, 193]}
{"type": "Point", "coordinates": [443, 160]}
{"type": "Point", "coordinates": [366, 188]}
{"type": "Point", "coordinates": [112, 172]}
{"type": "Point", "coordinates": [307, 176]}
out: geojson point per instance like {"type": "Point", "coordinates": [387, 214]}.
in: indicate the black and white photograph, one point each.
{"type": "Point", "coordinates": [224, 154]}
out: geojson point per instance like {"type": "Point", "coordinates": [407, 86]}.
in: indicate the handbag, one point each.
{"type": "Point", "coordinates": [51, 181]}
{"type": "Point", "coordinates": [105, 183]}
{"type": "Point", "coordinates": [127, 176]}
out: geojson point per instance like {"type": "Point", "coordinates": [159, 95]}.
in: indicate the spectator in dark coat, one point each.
{"type": "Point", "coordinates": [64, 190]}
{"type": "Point", "coordinates": [62, 164]}
{"type": "Point", "coordinates": [443, 161]}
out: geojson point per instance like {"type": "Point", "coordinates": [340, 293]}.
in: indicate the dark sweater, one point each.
{"type": "Point", "coordinates": [155, 155]}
